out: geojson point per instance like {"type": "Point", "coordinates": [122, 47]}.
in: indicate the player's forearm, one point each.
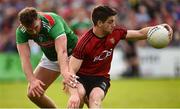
{"type": "Point", "coordinates": [63, 61]}
{"type": "Point", "coordinates": [24, 53]}
{"type": "Point", "coordinates": [28, 70]}
{"type": "Point", "coordinates": [144, 31]}
{"type": "Point", "coordinates": [75, 64]}
{"type": "Point", "coordinates": [72, 91]}
{"type": "Point", "coordinates": [138, 34]}
{"type": "Point", "coordinates": [61, 49]}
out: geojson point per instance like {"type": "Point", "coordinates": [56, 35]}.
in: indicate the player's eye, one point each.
{"type": "Point", "coordinates": [29, 30]}
{"type": "Point", "coordinates": [36, 27]}
{"type": "Point", "coordinates": [110, 22]}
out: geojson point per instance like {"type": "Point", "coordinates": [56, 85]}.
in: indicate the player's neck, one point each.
{"type": "Point", "coordinates": [98, 32]}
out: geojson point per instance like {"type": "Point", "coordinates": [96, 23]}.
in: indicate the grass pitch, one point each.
{"type": "Point", "coordinates": [124, 93]}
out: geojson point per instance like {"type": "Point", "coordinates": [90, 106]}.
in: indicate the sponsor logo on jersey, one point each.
{"type": "Point", "coordinates": [46, 44]}
{"type": "Point", "coordinates": [105, 54]}
{"type": "Point", "coordinates": [40, 37]}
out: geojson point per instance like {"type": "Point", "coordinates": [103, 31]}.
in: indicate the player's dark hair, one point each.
{"type": "Point", "coordinates": [27, 16]}
{"type": "Point", "coordinates": [102, 13]}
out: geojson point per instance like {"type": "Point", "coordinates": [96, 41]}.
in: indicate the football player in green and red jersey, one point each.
{"type": "Point", "coordinates": [57, 41]}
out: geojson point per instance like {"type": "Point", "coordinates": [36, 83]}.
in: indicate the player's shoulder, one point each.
{"type": "Point", "coordinates": [50, 17]}
{"type": "Point", "coordinates": [120, 28]}
{"type": "Point", "coordinates": [21, 34]}
{"type": "Point", "coordinates": [20, 29]}
{"type": "Point", "coordinates": [120, 31]}
{"type": "Point", "coordinates": [88, 34]}
{"type": "Point", "coordinates": [85, 38]}
{"type": "Point", "coordinates": [48, 13]}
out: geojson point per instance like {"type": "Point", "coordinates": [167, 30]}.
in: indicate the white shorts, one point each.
{"type": "Point", "coordinates": [51, 65]}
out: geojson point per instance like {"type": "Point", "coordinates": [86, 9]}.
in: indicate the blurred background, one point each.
{"type": "Point", "coordinates": [142, 76]}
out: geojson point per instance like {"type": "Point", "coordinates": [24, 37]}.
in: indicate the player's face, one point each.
{"type": "Point", "coordinates": [34, 28]}
{"type": "Point", "coordinates": [109, 25]}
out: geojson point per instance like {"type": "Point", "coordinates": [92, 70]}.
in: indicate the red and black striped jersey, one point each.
{"type": "Point", "coordinates": [97, 53]}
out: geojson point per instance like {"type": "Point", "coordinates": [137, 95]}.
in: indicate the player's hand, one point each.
{"type": "Point", "coordinates": [73, 102]}
{"type": "Point", "coordinates": [70, 79]}
{"type": "Point", "coordinates": [35, 87]}
{"type": "Point", "coordinates": [169, 29]}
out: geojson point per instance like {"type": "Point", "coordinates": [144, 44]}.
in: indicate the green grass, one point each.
{"type": "Point", "coordinates": [129, 93]}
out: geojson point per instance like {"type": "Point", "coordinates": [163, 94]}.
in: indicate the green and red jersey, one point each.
{"type": "Point", "coordinates": [52, 27]}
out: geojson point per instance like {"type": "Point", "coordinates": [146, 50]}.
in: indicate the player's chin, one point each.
{"type": "Point", "coordinates": [109, 31]}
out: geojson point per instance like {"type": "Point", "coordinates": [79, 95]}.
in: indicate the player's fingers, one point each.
{"type": "Point", "coordinates": [169, 29]}
{"type": "Point", "coordinates": [37, 93]}
{"type": "Point", "coordinates": [76, 105]}
{"type": "Point", "coordinates": [75, 81]}
{"type": "Point", "coordinates": [70, 85]}
{"type": "Point", "coordinates": [170, 36]}
{"type": "Point", "coordinates": [33, 93]}
{"type": "Point", "coordinates": [42, 83]}
{"type": "Point", "coordinates": [69, 105]}
{"type": "Point", "coordinates": [170, 33]}
{"type": "Point", "coordinates": [74, 76]}
{"type": "Point", "coordinates": [72, 79]}
{"type": "Point", "coordinates": [73, 84]}
{"type": "Point", "coordinates": [72, 105]}
{"type": "Point", "coordinates": [39, 90]}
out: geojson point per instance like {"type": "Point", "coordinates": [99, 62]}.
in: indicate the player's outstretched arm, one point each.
{"type": "Point", "coordinates": [142, 33]}
{"type": "Point", "coordinates": [137, 34]}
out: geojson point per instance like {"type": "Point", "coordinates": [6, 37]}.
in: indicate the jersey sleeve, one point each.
{"type": "Point", "coordinates": [123, 33]}
{"type": "Point", "coordinates": [21, 37]}
{"type": "Point", "coordinates": [58, 29]}
{"type": "Point", "coordinates": [79, 51]}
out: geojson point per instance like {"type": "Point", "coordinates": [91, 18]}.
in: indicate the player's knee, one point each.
{"type": "Point", "coordinates": [96, 96]}
{"type": "Point", "coordinates": [31, 97]}
{"type": "Point", "coordinates": [81, 91]}
{"type": "Point", "coordinates": [81, 94]}
{"type": "Point", "coordinates": [94, 101]}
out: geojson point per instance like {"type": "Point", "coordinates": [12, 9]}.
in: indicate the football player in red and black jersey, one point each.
{"type": "Point", "coordinates": [92, 56]}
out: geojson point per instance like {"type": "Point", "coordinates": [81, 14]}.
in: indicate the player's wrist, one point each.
{"type": "Point", "coordinates": [30, 79]}
{"type": "Point", "coordinates": [73, 91]}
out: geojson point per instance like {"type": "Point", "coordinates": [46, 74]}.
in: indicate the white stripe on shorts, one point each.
{"type": "Point", "coordinates": [51, 65]}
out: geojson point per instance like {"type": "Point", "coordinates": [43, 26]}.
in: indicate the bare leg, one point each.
{"type": "Point", "coordinates": [47, 77]}
{"type": "Point", "coordinates": [82, 93]}
{"type": "Point", "coordinates": [95, 98]}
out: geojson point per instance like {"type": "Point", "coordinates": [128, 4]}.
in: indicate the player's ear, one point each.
{"type": "Point", "coordinates": [99, 23]}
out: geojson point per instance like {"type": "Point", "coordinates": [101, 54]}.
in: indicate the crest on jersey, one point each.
{"type": "Point", "coordinates": [41, 37]}
{"type": "Point", "coordinates": [112, 40]}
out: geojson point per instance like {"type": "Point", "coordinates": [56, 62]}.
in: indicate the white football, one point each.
{"type": "Point", "coordinates": [158, 37]}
